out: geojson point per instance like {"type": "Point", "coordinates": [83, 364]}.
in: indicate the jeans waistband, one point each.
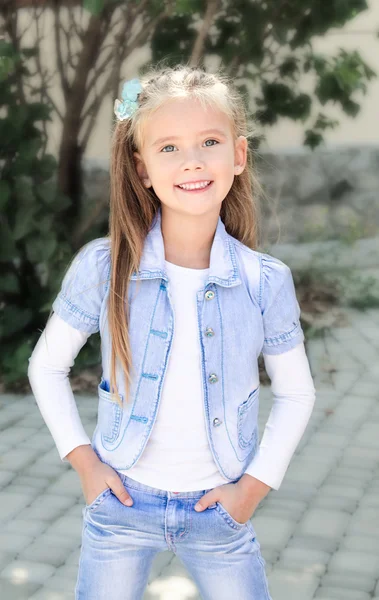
{"type": "Point", "coordinates": [136, 485]}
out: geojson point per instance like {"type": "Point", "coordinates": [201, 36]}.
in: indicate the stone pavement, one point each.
{"type": "Point", "coordinates": [319, 533]}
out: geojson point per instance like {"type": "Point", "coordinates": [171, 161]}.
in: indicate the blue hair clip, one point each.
{"type": "Point", "coordinates": [130, 91]}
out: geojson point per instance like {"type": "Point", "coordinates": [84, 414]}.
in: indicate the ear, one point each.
{"type": "Point", "coordinates": [141, 169]}
{"type": "Point", "coordinates": [240, 154]}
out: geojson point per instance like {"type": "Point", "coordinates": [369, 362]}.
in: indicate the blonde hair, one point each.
{"type": "Point", "coordinates": [133, 206]}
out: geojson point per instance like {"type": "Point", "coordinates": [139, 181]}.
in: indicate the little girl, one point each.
{"type": "Point", "coordinates": [184, 305]}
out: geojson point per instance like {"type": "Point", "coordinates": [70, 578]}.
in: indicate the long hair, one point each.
{"type": "Point", "coordinates": [133, 206]}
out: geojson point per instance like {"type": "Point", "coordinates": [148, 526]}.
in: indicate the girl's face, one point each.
{"type": "Point", "coordinates": [184, 144]}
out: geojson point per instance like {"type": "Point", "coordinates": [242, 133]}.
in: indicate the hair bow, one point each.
{"type": "Point", "coordinates": [130, 91]}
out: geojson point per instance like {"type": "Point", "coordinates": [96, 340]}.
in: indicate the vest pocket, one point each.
{"type": "Point", "coordinates": [247, 422]}
{"type": "Point", "coordinates": [109, 414]}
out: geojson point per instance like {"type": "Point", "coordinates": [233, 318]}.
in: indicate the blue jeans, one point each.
{"type": "Point", "coordinates": [120, 542]}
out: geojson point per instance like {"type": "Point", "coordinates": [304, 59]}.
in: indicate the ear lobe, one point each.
{"type": "Point", "coordinates": [240, 154]}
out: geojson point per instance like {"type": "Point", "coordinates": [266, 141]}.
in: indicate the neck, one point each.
{"type": "Point", "coordinates": [188, 239]}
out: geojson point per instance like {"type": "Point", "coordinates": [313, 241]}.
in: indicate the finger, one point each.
{"type": "Point", "coordinates": [204, 502]}
{"type": "Point", "coordinates": [119, 490]}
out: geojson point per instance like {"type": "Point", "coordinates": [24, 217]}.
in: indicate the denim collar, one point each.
{"type": "Point", "coordinates": [223, 267]}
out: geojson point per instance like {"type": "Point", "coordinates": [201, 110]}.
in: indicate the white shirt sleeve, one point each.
{"type": "Point", "coordinates": [293, 400]}
{"type": "Point", "coordinates": [49, 366]}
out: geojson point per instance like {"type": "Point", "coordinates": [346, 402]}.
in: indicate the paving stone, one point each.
{"type": "Point", "coordinates": [365, 456]}
{"type": "Point", "coordinates": [365, 388]}
{"type": "Point", "coordinates": [46, 594]}
{"type": "Point", "coordinates": [313, 561]}
{"type": "Point", "coordinates": [28, 527]}
{"type": "Point", "coordinates": [67, 570]}
{"type": "Point", "coordinates": [49, 539]}
{"type": "Point", "coordinates": [11, 504]}
{"type": "Point", "coordinates": [346, 491]}
{"type": "Point", "coordinates": [349, 561]}
{"type": "Point", "coordinates": [290, 489]}
{"type": "Point", "coordinates": [6, 557]}
{"type": "Point", "coordinates": [14, 542]}
{"type": "Point", "coordinates": [27, 571]}
{"type": "Point", "coordinates": [272, 532]}
{"type": "Point", "coordinates": [16, 434]}
{"type": "Point", "coordinates": [49, 506]}
{"type": "Point", "coordinates": [73, 558]}
{"type": "Point", "coordinates": [367, 436]}
{"type": "Point", "coordinates": [361, 475]}
{"type": "Point", "coordinates": [323, 523]}
{"type": "Point", "coordinates": [32, 492]}
{"type": "Point", "coordinates": [6, 477]}
{"type": "Point", "coordinates": [327, 593]}
{"type": "Point", "coordinates": [349, 581]}
{"type": "Point", "coordinates": [61, 584]}
{"type": "Point", "coordinates": [364, 523]}
{"type": "Point", "coordinates": [326, 440]}
{"type": "Point", "coordinates": [17, 459]}
{"type": "Point", "coordinates": [52, 472]}
{"type": "Point", "coordinates": [66, 526]}
{"type": "Point", "coordinates": [279, 513]}
{"type": "Point", "coordinates": [41, 441]}
{"type": "Point", "coordinates": [351, 410]}
{"type": "Point", "coordinates": [29, 481]}
{"type": "Point", "coordinates": [67, 484]}
{"type": "Point", "coordinates": [76, 510]}
{"type": "Point", "coordinates": [309, 542]}
{"type": "Point", "coordinates": [300, 472]}
{"type": "Point", "coordinates": [271, 556]}
{"type": "Point", "coordinates": [360, 543]}
{"type": "Point", "coordinates": [45, 553]}
{"type": "Point", "coordinates": [334, 503]}
{"type": "Point", "coordinates": [291, 585]}
{"type": "Point", "coordinates": [16, 591]}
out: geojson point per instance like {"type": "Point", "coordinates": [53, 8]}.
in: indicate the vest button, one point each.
{"type": "Point", "coordinates": [209, 332]}
{"type": "Point", "coordinates": [209, 295]}
{"type": "Point", "coordinates": [212, 378]}
{"type": "Point", "coordinates": [216, 422]}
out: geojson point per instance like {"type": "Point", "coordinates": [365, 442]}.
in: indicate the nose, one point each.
{"type": "Point", "coordinates": [193, 162]}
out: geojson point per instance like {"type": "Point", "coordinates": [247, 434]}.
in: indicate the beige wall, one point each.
{"type": "Point", "coordinates": [358, 34]}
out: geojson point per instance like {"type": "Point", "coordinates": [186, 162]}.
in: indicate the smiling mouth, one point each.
{"type": "Point", "coordinates": [195, 187]}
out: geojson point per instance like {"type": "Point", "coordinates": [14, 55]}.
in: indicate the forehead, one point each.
{"type": "Point", "coordinates": [184, 117]}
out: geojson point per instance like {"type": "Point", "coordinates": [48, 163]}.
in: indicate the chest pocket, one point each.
{"type": "Point", "coordinates": [247, 422]}
{"type": "Point", "coordinates": [109, 414]}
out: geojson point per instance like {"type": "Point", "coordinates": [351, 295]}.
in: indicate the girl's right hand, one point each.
{"type": "Point", "coordinates": [100, 477]}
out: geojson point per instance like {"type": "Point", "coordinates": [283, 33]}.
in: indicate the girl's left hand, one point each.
{"type": "Point", "coordinates": [238, 499]}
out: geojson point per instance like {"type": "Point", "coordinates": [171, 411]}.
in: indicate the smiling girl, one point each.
{"type": "Point", "coordinates": [184, 304]}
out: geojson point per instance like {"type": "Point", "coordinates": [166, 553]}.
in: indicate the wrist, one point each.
{"type": "Point", "coordinates": [252, 486]}
{"type": "Point", "coordinates": [82, 458]}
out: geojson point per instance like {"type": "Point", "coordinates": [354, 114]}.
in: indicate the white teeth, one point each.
{"type": "Point", "coordinates": [194, 186]}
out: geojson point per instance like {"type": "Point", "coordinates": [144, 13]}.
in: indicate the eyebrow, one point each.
{"type": "Point", "coordinates": [201, 133]}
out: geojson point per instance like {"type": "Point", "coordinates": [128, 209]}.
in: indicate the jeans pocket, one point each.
{"type": "Point", "coordinates": [99, 499]}
{"type": "Point", "coordinates": [227, 517]}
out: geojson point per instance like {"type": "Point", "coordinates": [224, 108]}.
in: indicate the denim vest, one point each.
{"type": "Point", "coordinates": [247, 306]}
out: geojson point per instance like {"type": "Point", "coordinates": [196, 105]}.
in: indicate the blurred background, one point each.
{"type": "Point", "coordinates": [308, 71]}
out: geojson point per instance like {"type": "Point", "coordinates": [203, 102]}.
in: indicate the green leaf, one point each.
{"type": "Point", "coordinates": [5, 192]}
{"type": "Point", "coordinates": [39, 249]}
{"type": "Point", "coordinates": [93, 6]}
{"type": "Point", "coordinates": [14, 319]}
{"type": "Point", "coordinates": [7, 246]}
{"type": "Point", "coordinates": [9, 283]}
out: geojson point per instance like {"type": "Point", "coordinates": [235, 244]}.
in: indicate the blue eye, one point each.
{"type": "Point", "coordinates": [211, 141]}
{"type": "Point", "coordinates": [168, 146]}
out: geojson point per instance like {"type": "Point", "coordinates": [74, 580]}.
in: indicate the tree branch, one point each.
{"type": "Point", "coordinates": [198, 47]}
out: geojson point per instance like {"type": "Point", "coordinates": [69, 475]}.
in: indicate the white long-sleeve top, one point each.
{"type": "Point", "coordinates": [177, 456]}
